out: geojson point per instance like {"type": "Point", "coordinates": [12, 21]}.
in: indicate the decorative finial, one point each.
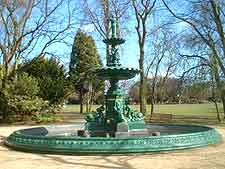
{"type": "Point", "coordinates": [113, 26]}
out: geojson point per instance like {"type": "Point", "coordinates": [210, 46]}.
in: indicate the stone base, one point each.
{"type": "Point", "coordinates": [139, 132]}
{"type": "Point", "coordinates": [122, 127]}
{"type": "Point", "coordinates": [130, 129]}
{"type": "Point", "coordinates": [125, 126]}
{"type": "Point", "coordinates": [134, 133]}
{"type": "Point", "coordinates": [122, 134]}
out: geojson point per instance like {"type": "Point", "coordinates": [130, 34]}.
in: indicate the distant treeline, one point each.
{"type": "Point", "coordinates": [174, 90]}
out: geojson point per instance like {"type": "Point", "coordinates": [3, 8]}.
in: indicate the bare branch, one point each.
{"type": "Point", "coordinates": [194, 56]}
{"type": "Point", "coordinates": [188, 22]}
{"type": "Point", "coordinates": [193, 68]}
{"type": "Point", "coordinates": [22, 33]}
{"type": "Point", "coordinates": [94, 20]}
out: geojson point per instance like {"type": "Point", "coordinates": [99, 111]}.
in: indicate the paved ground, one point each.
{"type": "Point", "coordinates": [211, 157]}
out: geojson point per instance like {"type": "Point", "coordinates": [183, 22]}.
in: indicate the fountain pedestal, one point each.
{"type": "Point", "coordinates": [111, 117]}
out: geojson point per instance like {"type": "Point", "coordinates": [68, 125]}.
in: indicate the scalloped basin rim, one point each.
{"type": "Point", "coordinates": [196, 136]}
{"type": "Point", "coordinates": [111, 68]}
{"type": "Point", "coordinates": [121, 73]}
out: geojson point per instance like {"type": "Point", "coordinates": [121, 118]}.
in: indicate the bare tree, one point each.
{"type": "Point", "coordinates": [163, 60]}
{"type": "Point", "coordinates": [216, 84]}
{"type": "Point", "coordinates": [28, 26]}
{"type": "Point", "coordinates": [206, 20]}
{"type": "Point", "coordinates": [143, 9]}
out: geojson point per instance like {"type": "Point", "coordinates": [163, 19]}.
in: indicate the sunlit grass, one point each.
{"type": "Point", "coordinates": [175, 109]}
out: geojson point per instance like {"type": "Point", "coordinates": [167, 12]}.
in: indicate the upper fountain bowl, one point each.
{"type": "Point", "coordinates": [114, 41]}
{"type": "Point", "coordinates": [116, 72]}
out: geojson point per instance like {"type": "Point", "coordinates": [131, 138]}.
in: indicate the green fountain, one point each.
{"type": "Point", "coordinates": [115, 117]}
{"type": "Point", "coordinates": [115, 127]}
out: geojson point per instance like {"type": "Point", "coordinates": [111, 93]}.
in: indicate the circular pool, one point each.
{"type": "Point", "coordinates": [64, 139]}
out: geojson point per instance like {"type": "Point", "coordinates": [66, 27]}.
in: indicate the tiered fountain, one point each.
{"type": "Point", "coordinates": [115, 117]}
{"type": "Point", "coordinates": [115, 127]}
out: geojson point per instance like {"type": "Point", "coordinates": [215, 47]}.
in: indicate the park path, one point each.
{"type": "Point", "coordinates": [211, 157]}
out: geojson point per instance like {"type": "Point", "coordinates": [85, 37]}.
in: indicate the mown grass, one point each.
{"type": "Point", "coordinates": [174, 109]}
{"type": "Point", "coordinates": [188, 109]}
{"type": "Point", "coordinates": [204, 114]}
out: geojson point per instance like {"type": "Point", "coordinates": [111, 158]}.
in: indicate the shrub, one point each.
{"type": "Point", "coordinates": [26, 85]}
{"type": "Point", "coordinates": [24, 108]}
{"type": "Point", "coordinates": [44, 117]}
{"type": "Point", "coordinates": [19, 100]}
{"type": "Point", "coordinates": [51, 77]}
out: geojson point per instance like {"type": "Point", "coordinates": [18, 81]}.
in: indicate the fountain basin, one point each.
{"type": "Point", "coordinates": [64, 139]}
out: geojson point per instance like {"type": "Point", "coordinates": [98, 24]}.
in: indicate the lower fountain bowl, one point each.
{"type": "Point", "coordinates": [64, 140]}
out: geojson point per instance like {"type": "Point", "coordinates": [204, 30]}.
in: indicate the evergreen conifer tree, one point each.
{"type": "Point", "coordinates": [84, 58]}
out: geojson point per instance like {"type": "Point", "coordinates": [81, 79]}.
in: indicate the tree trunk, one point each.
{"type": "Point", "coordinates": [222, 95]}
{"type": "Point", "coordinates": [221, 91]}
{"type": "Point", "coordinates": [87, 103]}
{"type": "Point", "coordinates": [219, 85]}
{"type": "Point", "coordinates": [5, 74]}
{"type": "Point", "coordinates": [217, 111]}
{"type": "Point", "coordinates": [142, 87]}
{"type": "Point", "coordinates": [152, 109]}
{"type": "Point", "coordinates": [213, 97]}
{"type": "Point", "coordinates": [89, 98]}
{"type": "Point", "coordinates": [153, 98]}
{"type": "Point", "coordinates": [81, 102]}
{"type": "Point", "coordinates": [92, 97]}
{"type": "Point", "coordinates": [141, 18]}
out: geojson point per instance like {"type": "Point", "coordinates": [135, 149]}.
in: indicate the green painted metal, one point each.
{"type": "Point", "coordinates": [119, 73]}
{"type": "Point", "coordinates": [113, 26]}
{"type": "Point", "coordinates": [115, 109]}
{"type": "Point", "coordinates": [194, 136]}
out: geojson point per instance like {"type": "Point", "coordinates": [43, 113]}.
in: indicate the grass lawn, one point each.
{"type": "Point", "coordinates": [204, 114]}
{"type": "Point", "coordinates": [175, 109]}
{"type": "Point", "coordinates": [187, 109]}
